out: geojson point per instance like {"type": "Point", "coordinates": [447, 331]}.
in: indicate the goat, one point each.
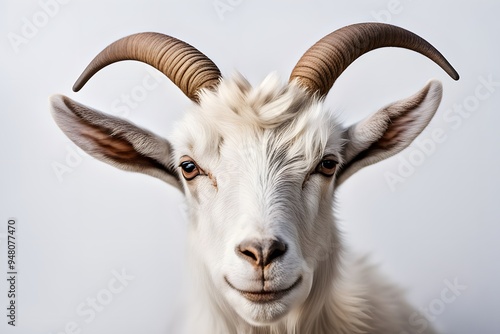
{"type": "Point", "coordinates": [259, 167]}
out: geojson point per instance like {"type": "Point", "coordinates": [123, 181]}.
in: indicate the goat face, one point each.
{"type": "Point", "coordinates": [258, 165]}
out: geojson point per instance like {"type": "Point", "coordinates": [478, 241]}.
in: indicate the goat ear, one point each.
{"type": "Point", "coordinates": [389, 130]}
{"type": "Point", "coordinates": [115, 141]}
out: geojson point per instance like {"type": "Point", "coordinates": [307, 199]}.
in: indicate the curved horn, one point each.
{"type": "Point", "coordinates": [187, 67]}
{"type": "Point", "coordinates": [323, 63]}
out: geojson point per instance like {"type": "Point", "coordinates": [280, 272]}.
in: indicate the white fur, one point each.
{"type": "Point", "coordinates": [258, 149]}
{"type": "Point", "coordinates": [259, 146]}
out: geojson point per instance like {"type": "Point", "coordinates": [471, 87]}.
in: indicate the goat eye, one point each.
{"type": "Point", "coordinates": [327, 166]}
{"type": "Point", "coordinates": [188, 166]}
{"type": "Point", "coordinates": [189, 169]}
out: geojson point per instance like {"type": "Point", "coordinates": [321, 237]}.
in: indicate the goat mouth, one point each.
{"type": "Point", "coordinates": [263, 296]}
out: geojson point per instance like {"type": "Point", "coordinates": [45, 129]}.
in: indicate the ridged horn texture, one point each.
{"type": "Point", "coordinates": [187, 67]}
{"type": "Point", "coordinates": [325, 61]}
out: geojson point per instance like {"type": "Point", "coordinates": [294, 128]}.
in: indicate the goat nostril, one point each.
{"type": "Point", "coordinates": [275, 249]}
{"type": "Point", "coordinates": [261, 252]}
{"type": "Point", "coordinates": [275, 254]}
{"type": "Point", "coordinates": [249, 254]}
{"type": "Point", "coordinates": [250, 251]}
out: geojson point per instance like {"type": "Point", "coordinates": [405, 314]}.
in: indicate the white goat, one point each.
{"type": "Point", "coordinates": [259, 168]}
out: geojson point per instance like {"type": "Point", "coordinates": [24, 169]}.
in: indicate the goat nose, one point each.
{"type": "Point", "coordinates": [261, 252]}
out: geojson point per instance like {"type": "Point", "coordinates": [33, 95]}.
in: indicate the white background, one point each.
{"type": "Point", "coordinates": [441, 223]}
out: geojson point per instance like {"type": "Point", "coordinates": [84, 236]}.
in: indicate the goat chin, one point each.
{"type": "Point", "coordinates": [350, 297]}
